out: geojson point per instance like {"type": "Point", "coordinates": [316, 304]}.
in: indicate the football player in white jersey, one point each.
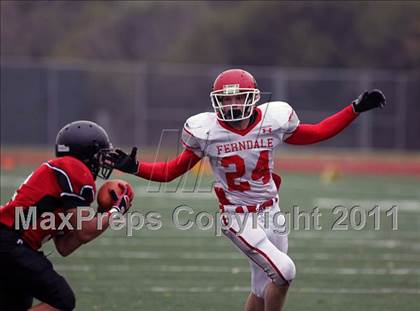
{"type": "Point", "coordinates": [239, 138]}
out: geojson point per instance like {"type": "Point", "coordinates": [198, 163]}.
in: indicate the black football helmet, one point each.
{"type": "Point", "coordinates": [88, 142]}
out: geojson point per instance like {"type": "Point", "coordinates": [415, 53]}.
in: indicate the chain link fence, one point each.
{"type": "Point", "coordinates": [134, 102]}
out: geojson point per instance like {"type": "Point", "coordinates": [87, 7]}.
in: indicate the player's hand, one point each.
{"type": "Point", "coordinates": [124, 162]}
{"type": "Point", "coordinates": [122, 202]}
{"type": "Point", "coordinates": [369, 100]}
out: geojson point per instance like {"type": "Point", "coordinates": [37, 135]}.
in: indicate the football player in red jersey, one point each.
{"type": "Point", "coordinates": [58, 186]}
{"type": "Point", "coordinates": [239, 139]}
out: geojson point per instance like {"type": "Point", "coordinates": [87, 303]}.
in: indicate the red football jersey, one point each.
{"type": "Point", "coordinates": [54, 186]}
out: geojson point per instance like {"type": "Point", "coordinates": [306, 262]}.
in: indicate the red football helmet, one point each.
{"type": "Point", "coordinates": [234, 95]}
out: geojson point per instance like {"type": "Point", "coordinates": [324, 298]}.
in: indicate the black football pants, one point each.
{"type": "Point", "coordinates": [26, 273]}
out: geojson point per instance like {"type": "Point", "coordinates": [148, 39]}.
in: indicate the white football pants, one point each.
{"type": "Point", "coordinates": [265, 247]}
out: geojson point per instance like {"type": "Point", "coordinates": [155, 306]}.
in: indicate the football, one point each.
{"type": "Point", "coordinates": [104, 198]}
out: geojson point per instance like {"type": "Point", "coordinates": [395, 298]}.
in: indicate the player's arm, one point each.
{"type": "Point", "coordinates": [168, 171]}
{"type": "Point", "coordinates": [72, 240]}
{"type": "Point", "coordinates": [90, 229]}
{"type": "Point", "coordinates": [155, 171]}
{"type": "Point", "coordinates": [306, 134]}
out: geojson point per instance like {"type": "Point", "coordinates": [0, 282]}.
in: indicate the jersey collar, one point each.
{"type": "Point", "coordinates": [244, 131]}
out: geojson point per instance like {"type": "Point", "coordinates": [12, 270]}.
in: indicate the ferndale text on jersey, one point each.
{"type": "Point", "coordinates": [245, 145]}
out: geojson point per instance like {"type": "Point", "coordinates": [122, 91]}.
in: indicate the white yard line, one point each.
{"type": "Point", "coordinates": [358, 291]}
{"type": "Point", "coordinates": [302, 290]}
{"type": "Point", "coordinates": [297, 244]}
{"type": "Point", "coordinates": [232, 256]}
{"type": "Point", "coordinates": [233, 270]}
{"type": "Point", "coordinates": [205, 193]}
{"type": "Point", "coordinates": [351, 235]}
{"type": "Point", "coordinates": [402, 205]}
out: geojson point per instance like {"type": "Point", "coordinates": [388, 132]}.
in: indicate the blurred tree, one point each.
{"type": "Point", "coordinates": [290, 33]}
{"type": "Point", "coordinates": [345, 34]}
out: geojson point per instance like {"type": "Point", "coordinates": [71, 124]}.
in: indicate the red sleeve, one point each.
{"type": "Point", "coordinates": [75, 180]}
{"type": "Point", "coordinates": [167, 171]}
{"type": "Point", "coordinates": [312, 133]}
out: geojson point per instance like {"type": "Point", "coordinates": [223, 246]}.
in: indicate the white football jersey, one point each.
{"type": "Point", "coordinates": [242, 160]}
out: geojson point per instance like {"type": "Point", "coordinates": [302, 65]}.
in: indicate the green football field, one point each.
{"type": "Point", "coordinates": [374, 265]}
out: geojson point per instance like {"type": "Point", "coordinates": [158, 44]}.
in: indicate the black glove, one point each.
{"type": "Point", "coordinates": [124, 162]}
{"type": "Point", "coordinates": [369, 100]}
